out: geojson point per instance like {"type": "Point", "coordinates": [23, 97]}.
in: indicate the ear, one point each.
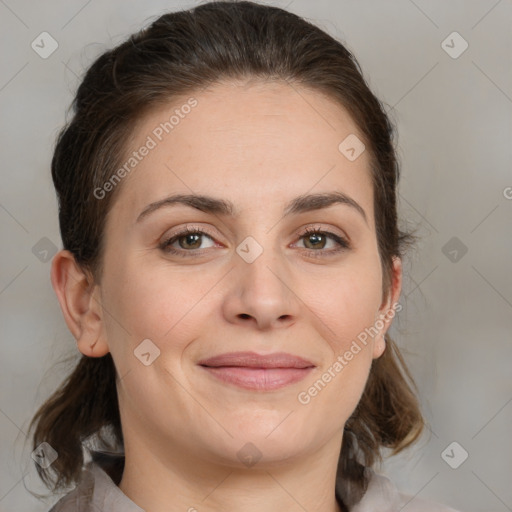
{"type": "Point", "coordinates": [388, 308]}
{"type": "Point", "coordinates": [79, 300]}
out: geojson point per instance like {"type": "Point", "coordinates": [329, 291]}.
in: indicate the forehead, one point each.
{"type": "Point", "coordinates": [247, 143]}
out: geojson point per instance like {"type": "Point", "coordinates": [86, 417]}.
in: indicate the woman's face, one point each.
{"type": "Point", "coordinates": [254, 281]}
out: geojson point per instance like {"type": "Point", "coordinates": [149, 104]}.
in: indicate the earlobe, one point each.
{"type": "Point", "coordinates": [80, 306]}
{"type": "Point", "coordinates": [379, 345]}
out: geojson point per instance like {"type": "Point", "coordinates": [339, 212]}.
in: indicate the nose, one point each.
{"type": "Point", "coordinates": [262, 293]}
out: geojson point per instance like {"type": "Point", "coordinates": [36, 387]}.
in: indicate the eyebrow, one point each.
{"type": "Point", "coordinates": [208, 204]}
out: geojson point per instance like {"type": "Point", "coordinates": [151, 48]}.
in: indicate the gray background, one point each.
{"type": "Point", "coordinates": [454, 122]}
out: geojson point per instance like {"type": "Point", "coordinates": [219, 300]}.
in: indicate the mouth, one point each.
{"type": "Point", "coordinates": [253, 371]}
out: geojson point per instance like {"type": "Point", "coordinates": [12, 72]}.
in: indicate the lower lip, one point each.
{"type": "Point", "coordinates": [263, 379]}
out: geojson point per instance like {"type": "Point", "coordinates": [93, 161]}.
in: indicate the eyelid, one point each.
{"type": "Point", "coordinates": [188, 228]}
{"type": "Point", "coordinates": [318, 228]}
{"type": "Point", "coordinates": [314, 227]}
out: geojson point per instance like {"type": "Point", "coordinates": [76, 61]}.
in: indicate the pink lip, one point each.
{"type": "Point", "coordinates": [258, 372]}
{"type": "Point", "coordinates": [253, 360]}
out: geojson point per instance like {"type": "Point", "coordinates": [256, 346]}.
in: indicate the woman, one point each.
{"type": "Point", "coordinates": [231, 267]}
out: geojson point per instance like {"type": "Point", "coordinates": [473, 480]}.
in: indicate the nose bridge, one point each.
{"type": "Point", "coordinates": [262, 279]}
{"type": "Point", "coordinates": [262, 267]}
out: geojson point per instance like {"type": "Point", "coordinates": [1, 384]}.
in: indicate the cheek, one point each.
{"type": "Point", "coordinates": [158, 303]}
{"type": "Point", "coordinates": [346, 316]}
{"type": "Point", "coordinates": [347, 303]}
{"type": "Point", "coordinates": [345, 309]}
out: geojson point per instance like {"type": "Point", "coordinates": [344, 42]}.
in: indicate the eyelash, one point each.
{"type": "Point", "coordinates": [342, 242]}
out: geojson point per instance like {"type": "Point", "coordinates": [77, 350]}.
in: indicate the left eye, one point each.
{"type": "Point", "coordinates": [313, 236]}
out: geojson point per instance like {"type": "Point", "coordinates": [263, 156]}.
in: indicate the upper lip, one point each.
{"type": "Point", "coordinates": [254, 360]}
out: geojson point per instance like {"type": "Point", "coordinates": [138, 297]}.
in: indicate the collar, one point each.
{"type": "Point", "coordinates": [98, 489]}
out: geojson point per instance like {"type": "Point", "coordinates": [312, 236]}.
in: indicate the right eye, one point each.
{"type": "Point", "coordinates": [191, 236]}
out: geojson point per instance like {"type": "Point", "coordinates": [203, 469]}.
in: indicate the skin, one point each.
{"type": "Point", "coordinates": [259, 146]}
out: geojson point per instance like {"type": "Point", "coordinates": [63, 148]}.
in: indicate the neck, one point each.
{"type": "Point", "coordinates": [154, 480]}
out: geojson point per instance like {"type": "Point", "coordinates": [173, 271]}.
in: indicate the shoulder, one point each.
{"type": "Point", "coordinates": [96, 492]}
{"type": "Point", "coordinates": [383, 495]}
{"type": "Point", "coordinates": [79, 498]}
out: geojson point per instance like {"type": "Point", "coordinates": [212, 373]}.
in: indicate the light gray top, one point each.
{"type": "Point", "coordinates": [97, 492]}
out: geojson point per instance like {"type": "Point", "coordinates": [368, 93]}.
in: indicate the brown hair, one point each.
{"type": "Point", "coordinates": [177, 54]}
